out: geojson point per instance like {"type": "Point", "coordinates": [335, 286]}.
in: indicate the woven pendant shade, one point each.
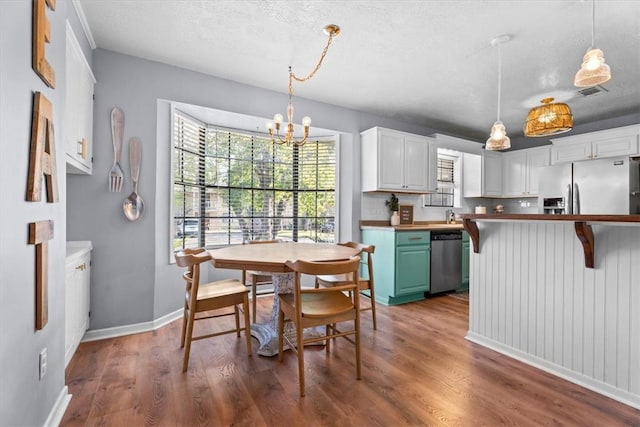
{"type": "Point", "coordinates": [548, 119]}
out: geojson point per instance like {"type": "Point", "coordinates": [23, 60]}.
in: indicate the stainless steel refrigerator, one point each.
{"type": "Point", "coordinates": [604, 186]}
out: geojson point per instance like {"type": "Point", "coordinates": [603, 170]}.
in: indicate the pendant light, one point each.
{"type": "Point", "coordinates": [550, 118]}
{"type": "Point", "coordinates": [498, 139]}
{"type": "Point", "coordinates": [593, 70]}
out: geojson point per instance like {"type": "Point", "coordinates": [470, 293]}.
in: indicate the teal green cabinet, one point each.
{"type": "Point", "coordinates": [465, 262]}
{"type": "Point", "coordinates": [401, 264]}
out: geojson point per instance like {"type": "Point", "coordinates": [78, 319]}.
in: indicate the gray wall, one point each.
{"type": "Point", "coordinates": [24, 399]}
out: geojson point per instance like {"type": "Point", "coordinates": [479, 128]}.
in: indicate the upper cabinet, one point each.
{"type": "Point", "coordinates": [482, 174]}
{"type": "Point", "coordinates": [615, 142]}
{"type": "Point", "coordinates": [521, 170]}
{"type": "Point", "coordinates": [78, 115]}
{"type": "Point", "coordinates": [398, 161]}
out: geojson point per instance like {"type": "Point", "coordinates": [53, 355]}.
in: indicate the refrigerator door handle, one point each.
{"type": "Point", "coordinates": [576, 199]}
{"type": "Point", "coordinates": [568, 209]}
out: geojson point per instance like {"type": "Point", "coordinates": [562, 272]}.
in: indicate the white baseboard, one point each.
{"type": "Point", "coordinates": [57, 412]}
{"type": "Point", "coordinates": [623, 396]}
{"type": "Point", "coordinates": [118, 331]}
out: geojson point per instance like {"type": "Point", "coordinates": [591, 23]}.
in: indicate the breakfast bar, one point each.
{"type": "Point", "coordinates": [560, 292]}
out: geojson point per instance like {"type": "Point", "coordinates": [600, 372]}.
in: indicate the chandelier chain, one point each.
{"type": "Point", "coordinates": [315, 70]}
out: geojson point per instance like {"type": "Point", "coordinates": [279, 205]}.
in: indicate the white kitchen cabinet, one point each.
{"type": "Point", "coordinates": [521, 171]}
{"type": "Point", "coordinates": [398, 161]}
{"type": "Point", "coordinates": [491, 174]}
{"type": "Point", "coordinates": [482, 175]}
{"type": "Point", "coordinates": [77, 295]}
{"type": "Point", "coordinates": [78, 114]}
{"type": "Point", "coordinates": [615, 142]}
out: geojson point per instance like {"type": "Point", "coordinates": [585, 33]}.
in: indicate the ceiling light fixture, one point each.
{"type": "Point", "coordinates": [331, 31]}
{"type": "Point", "coordinates": [593, 70]}
{"type": "Point", "coordinates": [550, 118]}
{"type": "Point", "coordinates": [498, 140]}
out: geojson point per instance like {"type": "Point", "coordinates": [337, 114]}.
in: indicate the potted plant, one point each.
{"type": "Point", "coordinates": [393, 207]}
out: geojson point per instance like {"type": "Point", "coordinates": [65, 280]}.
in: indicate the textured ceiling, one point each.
{"type": "Point", "coordinates": [425, 62]}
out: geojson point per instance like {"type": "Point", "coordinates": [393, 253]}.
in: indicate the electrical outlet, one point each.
{"type": "Point", "coordinates": [43, 362]}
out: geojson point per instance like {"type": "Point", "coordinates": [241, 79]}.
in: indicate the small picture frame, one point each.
{"type": "Point", "coordinates": [406, 214]}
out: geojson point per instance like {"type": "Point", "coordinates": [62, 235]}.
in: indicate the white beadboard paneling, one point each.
{"type": "Point", "coordinates": [532, 297]}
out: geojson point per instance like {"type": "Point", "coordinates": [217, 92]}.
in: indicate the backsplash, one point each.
{"type": "Point", "coordinates": [374, 207]}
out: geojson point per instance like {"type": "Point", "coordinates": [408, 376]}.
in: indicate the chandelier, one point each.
{"type": "Point", "coordinates": [550, 118]}
{"type": "Point", "coordinates": [498, 139]}
{"type": "Point", "coordinates": [593, 70]}
{"type": "Point", "coordinates": [275, 125]}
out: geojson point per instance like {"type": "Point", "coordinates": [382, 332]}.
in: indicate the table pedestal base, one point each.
{"type": "Point", "coordinates": [267, 333]}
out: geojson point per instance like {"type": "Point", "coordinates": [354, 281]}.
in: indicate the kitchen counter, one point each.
{"type": "Point", "coordinates": [582, 226]}
{"type": "Point", "coordinates": [416, 226]}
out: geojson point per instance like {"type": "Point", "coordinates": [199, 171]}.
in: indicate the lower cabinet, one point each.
{"type": "Point", "coordinates": [464, 285]}
{"type": "Point", "coordinates": [77, 287]}
{"type": "Point", "coordinates": [401, 264]}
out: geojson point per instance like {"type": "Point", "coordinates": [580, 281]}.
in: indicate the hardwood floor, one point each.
{"type": "Point", "coordinates": [417, 369]}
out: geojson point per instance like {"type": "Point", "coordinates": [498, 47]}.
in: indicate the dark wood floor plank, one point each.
{"type": "Point", "coordinates": [417, 370]}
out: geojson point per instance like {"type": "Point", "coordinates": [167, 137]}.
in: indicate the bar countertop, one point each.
{"type": "Point", "coordinates": [541, 217]}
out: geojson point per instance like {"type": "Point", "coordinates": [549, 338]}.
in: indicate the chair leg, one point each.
{"type": "Point", "coordinates": [236, 312]}
{"type": "Point", "coordinates": [254, 293]}
{"type": "Point", "coordinates": [300, 351]}
{"type": "Point", "coordinates": [357, 328]}
{"type": "Point", "coordinates": [280, 332]}
{"type": "Point", "coordinates": [327, 343]}
{"type": "Point", "coordinates": [184, 326]}
{"type": "Point", "coordinates": [372, 297]}
{"type": "Point", "coordinates": [247, 324]}
{"type": "Point", "coordinates": [189, 335]}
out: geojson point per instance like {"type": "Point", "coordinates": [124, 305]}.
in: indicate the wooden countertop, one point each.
{"type": "Point", "coordinates": [416, 226]}
{"type": "Point", "coordinates": [541, 217]}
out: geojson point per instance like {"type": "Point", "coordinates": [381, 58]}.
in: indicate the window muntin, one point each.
{"type": "Point", "coordinates": [240, 186]}
{"type": "Point", "coordinates": [445, 190]}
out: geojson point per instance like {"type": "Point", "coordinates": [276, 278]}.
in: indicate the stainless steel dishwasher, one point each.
{"type": "Point", "coordinates": [446, 261]}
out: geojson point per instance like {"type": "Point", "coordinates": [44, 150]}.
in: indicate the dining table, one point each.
{"type": "Point", "coordinates": [271, 258]}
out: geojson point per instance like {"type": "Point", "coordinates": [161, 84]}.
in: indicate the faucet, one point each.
{"type": "Point", "coordinates": [450, 216]}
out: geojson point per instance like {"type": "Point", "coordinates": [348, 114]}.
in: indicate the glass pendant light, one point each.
{"type": "Point", "coordinates": [498, 139]}
{"type": "Point", "coordinates": [593, 71]}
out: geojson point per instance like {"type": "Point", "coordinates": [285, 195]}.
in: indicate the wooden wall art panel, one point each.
{"type": "Point", "coordinates": [42, 157]}
{"type": "Point", "coordinates": [41, 36]}
{"type": "Point", "coordinates": [39, 234]}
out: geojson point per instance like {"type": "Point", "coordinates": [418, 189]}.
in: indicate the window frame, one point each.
{"type": "Point", "coordinates": [173, 245]}
{"type": "Point", "coordinates": [441, 184]}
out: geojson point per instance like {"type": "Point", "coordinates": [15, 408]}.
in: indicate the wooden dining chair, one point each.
{"type": "Point", "coordinates": [364, 283]}
{"type": "Point", "coordinates": [257, 279]}
{"type": "Point", "coordinates": [311, 307]}
{"type": "Point", "coordinates": [207, 297]}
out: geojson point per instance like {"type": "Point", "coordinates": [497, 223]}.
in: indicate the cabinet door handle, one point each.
{"type": "Point", "coordinates": [82, 148]}
{"type": "Point", "coordinates": [81, 267]}
{"type": "Point", "coordinates": [415, 238]}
